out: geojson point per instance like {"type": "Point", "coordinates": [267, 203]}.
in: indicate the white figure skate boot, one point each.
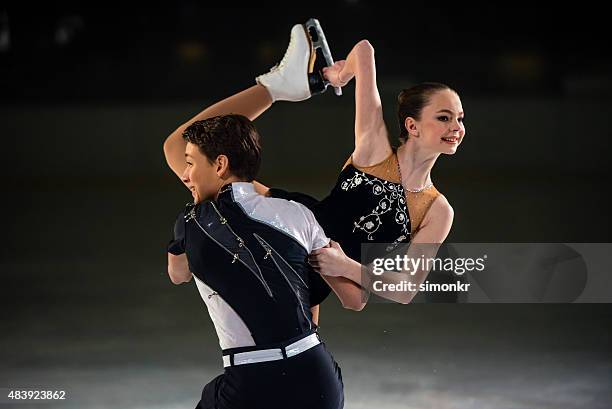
{"type": "Point", "coordinates": [298, 76]}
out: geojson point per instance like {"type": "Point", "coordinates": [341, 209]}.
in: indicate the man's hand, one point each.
{"type": "Point", "coordinates": [178, 268]}
{"type": "Point", "coordinates": [330, 261]}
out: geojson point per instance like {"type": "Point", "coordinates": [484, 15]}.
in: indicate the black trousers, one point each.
{"type": "Point", "coordinates": [310, 380]}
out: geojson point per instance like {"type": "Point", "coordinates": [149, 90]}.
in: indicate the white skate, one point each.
{"type": "Point", "coordinates": [298, 76]}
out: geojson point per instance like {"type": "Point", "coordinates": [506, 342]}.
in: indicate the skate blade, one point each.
{"type": "Point", "coordinates": [320, 42]}
{"type": "Point", "coordinates": [313, 51]}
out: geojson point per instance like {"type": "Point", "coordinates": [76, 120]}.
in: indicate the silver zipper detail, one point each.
{"type": "Point", "coordinates": [258, 237]}
{"type": "Point", "coordinates": [236, 257]}
{"type": "Point", "coordinates": [269, 250]}
{"type": "Point", "coordinates": [241, 244]}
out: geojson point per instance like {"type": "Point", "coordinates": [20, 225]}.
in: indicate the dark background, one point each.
{"type": "Point", "coordinates": [89, 93]}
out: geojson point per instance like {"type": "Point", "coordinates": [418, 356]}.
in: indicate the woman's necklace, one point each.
{"type": "Point", "coordinates": [427, 186]}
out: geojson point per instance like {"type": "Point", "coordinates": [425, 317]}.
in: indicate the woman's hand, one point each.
{"type": "Point", "coordinates": [336, 75]}
{"type": "Point", "coordinates": [330, 261]}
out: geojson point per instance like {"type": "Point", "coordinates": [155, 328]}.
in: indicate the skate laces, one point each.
{"type": "Point", "coordinates": [283, 61]}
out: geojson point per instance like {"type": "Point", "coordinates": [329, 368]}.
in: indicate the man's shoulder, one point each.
{"type": "Point", "coordinates": [283, 208]}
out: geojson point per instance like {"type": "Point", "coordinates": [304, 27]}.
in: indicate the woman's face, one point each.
{"type": "Point", "coordinates": [441, 127]}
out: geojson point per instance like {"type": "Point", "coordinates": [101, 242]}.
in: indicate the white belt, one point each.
{"type": "Point", "coordinates": [274, 354]}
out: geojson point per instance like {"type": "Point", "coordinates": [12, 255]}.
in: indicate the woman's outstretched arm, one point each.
{"type": "Point", "coordinates": [371, 136]}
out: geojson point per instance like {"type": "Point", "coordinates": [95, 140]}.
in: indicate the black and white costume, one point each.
{"type": "Point", "coordinates": [249, 258]}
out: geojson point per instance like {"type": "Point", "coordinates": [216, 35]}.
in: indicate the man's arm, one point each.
{"type": "Point", "coordinates": [251, 103]}
{"type": "Point", "coordinates": [332, 262]}
{"type": "Point", "coordinates": [178, 268]}
{"type": "Point", "coordinates": [315, 313]}
{"type": "Point", "coordinates": [349, 293]}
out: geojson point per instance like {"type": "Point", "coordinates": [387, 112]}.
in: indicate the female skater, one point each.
{"type": "Point", "coordinates": [383, 194]}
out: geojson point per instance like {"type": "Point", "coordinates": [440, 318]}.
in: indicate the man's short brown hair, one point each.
{"type": "Point", "coordinates": [231, 135]}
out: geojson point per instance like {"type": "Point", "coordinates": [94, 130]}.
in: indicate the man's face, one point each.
{"type": "Point", "coordinates": [200, 176]}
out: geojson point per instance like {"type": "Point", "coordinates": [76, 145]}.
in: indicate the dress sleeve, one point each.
{"type": "Point", "coordinates": [176, 246]}
{"type": "Point", "coordinates": [298, 197]}
{"type": "Point", "coordinates": [316, 234]}
{"type": "Point", "coordinates": [319, 290]}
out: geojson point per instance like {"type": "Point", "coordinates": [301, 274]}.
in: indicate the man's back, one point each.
{"type": "Point", "coordinates": [248, 254]}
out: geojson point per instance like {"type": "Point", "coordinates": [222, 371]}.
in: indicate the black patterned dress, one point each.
{"type": "Point", "coordinates": [361, 209]}
{"type": "Point", "coordinates": [369, 205]}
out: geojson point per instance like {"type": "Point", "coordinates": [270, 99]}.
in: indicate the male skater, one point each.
{"type": "Point", "coordinates": [248, 255]}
